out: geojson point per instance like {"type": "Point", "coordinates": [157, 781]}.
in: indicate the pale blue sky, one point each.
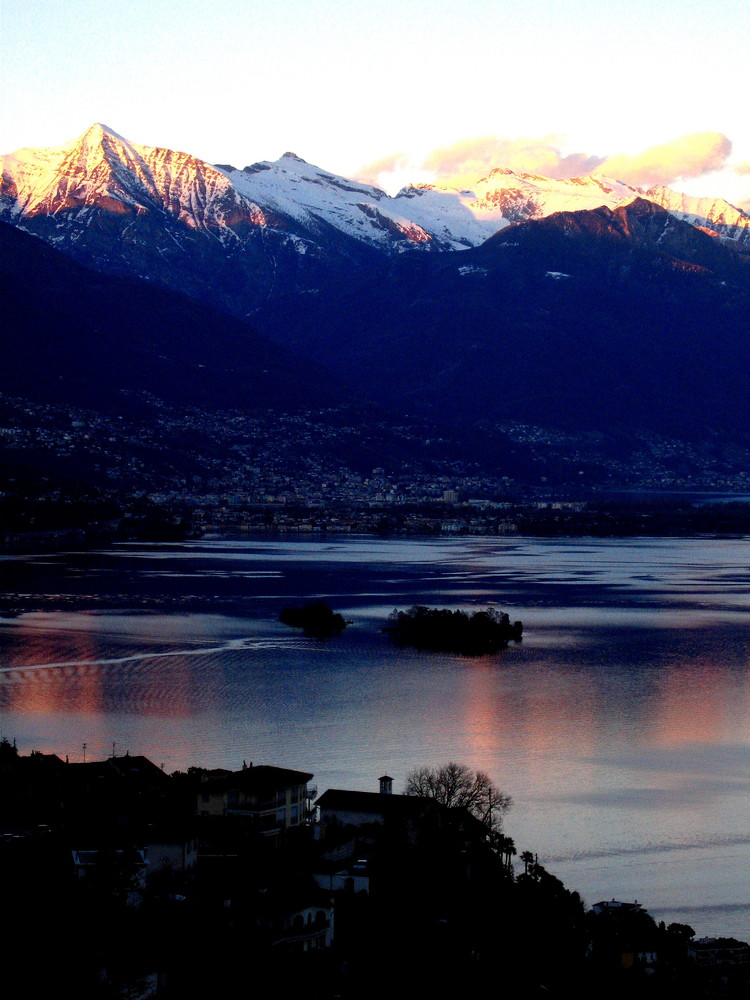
{"type": "Point", "coordinates": [346, 84]}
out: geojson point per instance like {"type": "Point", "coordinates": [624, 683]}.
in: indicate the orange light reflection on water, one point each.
{"type": "Point", "coordinates": [47, 670]}
{"type": "Point", "coordinates": [693, 707]}
{"type": "Point", "coordinates": [34, 686]}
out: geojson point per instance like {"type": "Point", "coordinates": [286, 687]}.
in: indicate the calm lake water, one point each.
{"type": "Point", "coordinates": [620, 725]}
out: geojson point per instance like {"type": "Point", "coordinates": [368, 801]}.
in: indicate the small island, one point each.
{"type": "Point", "coordinates": [443, 630]}
{"type": "Point", "coordinates": [315, 617]}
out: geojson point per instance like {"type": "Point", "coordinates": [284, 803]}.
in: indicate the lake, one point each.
{"type": "Point", "coordinates": [620, 724]}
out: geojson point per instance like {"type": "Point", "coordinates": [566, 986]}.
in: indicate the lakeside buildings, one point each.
{"type": "Point", "coordinates": [198, 883]}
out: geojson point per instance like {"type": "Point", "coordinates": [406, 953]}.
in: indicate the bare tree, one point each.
{"type": "Point", "coordinates": [458, 785]}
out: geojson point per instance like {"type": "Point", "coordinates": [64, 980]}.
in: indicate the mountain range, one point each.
{"type": "Point", "coordinates": [525, 309]}
{"type": "Point", "coordinates": [307, 205]}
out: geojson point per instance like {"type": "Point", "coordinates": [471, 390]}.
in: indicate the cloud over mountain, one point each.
{"type": "Point", "coordinates": [464, 162]}
{"type": "Point", "coordinates": [689, 156]}
{"type": "Point", "coordinates": [373, 173]}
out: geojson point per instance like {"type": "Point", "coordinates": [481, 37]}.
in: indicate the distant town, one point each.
{"type": "Point", "coordinates": [177, 475]}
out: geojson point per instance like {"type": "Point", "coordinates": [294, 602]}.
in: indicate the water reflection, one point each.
{"type": "Point", "coordinates": [619, 724]}
{"type": "Point", "coordinates": [699, 703]}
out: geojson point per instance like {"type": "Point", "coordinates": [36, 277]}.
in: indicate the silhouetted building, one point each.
{"type": "Point", "coordinates": [272, 799]}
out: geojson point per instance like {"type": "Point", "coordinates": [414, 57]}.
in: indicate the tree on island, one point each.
{"type": "Point", "coordinates": [458, 786]}
{"type": "Point", "coordinates": [315, 617]}
{"type": "Point", "coordinates": [440, 629]}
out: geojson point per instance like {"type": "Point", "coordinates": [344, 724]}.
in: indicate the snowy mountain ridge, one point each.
{"type": "Point", "coordinates": [292, 188]}
{"type": "Point", "coordinates": [103, 172]}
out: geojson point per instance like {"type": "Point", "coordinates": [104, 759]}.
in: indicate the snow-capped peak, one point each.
{"type": "Point", "coordinates": [101, 170]}
{"type": "Point", "coordinates": [97, 132]}
{"type": "Point", "coordinates": [293, 188]}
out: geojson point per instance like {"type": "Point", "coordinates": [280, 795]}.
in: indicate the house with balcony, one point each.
{"type": "Point", "coordinates": [270, 799]}
{"type": "Point", "coordinates": [295, 922]}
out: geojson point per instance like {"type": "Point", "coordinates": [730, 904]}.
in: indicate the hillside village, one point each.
{"type": "Point", "coordinates": [136, 883]}
{"type": "Point", "coordinates": [333, 456]}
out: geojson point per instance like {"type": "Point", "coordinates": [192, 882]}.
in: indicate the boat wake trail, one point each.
{"type": "Point", "coordinates": [231, 645]}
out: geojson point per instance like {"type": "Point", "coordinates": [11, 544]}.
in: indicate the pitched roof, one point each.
{"type": "Point", "coordinates": [374, 803]}
{"type": "Point", "coordinates": [136, 770]}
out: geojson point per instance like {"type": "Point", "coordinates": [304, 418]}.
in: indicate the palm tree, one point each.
{"type": "Point", "coordinates": [509, 849]}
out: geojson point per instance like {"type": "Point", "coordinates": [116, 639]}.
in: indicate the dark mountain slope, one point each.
{"type": "Point", "coordinates": [591, 320]}
{"type": "Point", "coordinates": [119, 385]}
{"type": "Point", "coordinates": [74, 336]}
{"type": "Point", "coordinates": [581, 344]}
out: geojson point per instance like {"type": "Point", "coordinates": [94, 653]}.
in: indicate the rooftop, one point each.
{"type": "Point", "coordinates": [258, 779]}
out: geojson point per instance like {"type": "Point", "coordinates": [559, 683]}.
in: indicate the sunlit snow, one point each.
{"type": "Point", "coordinates": [103, 169]}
